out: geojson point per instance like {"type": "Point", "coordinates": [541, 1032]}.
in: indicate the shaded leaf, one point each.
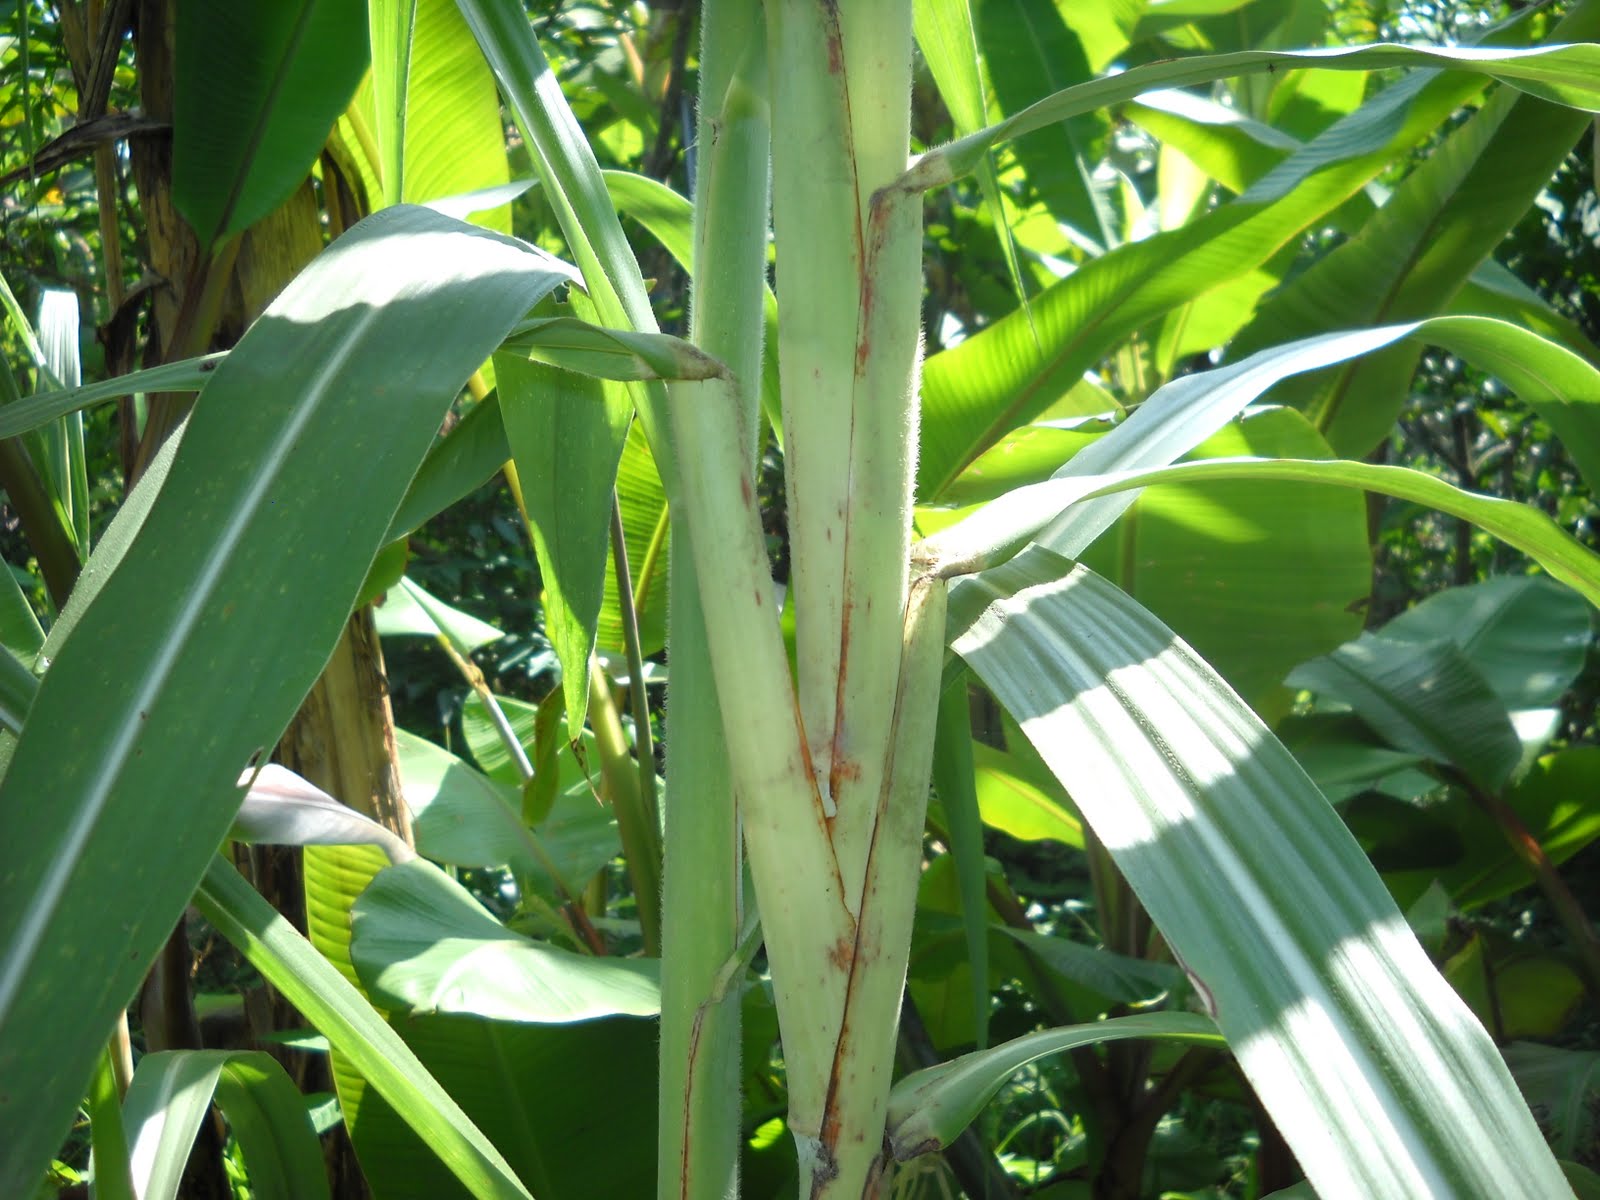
{"type": "Point", "coordinates": [1424, 697]}
{"type": "Point", "coordinates": [422, 945]}
{"type": "Point", "coordinates": [256, 89]}
{"type": "Point", "coordinates": [928, 1109]}
{"type": "Point", "coordinates": [171, 1094]}
{"type": "Point", "coordinates": [409, 609]}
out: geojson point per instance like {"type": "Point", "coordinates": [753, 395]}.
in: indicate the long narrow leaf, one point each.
{"type": "Point", "coordinates": [979, 390]}
{"type": "Point", "coordinates": [1383, 1082]}
{"type": "Point", "coordinates": [1558, 384]}
{"type": "Point", "coordinates": [1519, 525]}
{"type": "Point", "coordinates": [1565, 74]}
{"type": "Point", "coordinates": [190, 375]}
{"type": "Point", "coordinates": [164, 693]}
{"type": "Point", "coordinates": [929, 1109]}
{"type": "Point", "coordinates": [567, 433]}
{"type": "Point", "coordinates": [421, 944]}
{"type": "Point", "coordinates": [353, 1027]}
{"type": "Point", "coordinates": [171, 1095]}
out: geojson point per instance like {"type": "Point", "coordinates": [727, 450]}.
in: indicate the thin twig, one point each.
{"type": "Point", "coordinates": [1527, 847]}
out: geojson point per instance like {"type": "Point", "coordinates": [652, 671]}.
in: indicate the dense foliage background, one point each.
{"type": "Point", "coordinates": [1523, 955]}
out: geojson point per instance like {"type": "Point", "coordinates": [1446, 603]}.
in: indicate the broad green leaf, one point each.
{"type": "Point", "coordinates": [353, 1028]}
{"type": "Point", "coordinates": [457, 465]}
{"type": "Point", "coordinates": [392, 35]}
{"type": "Point", "coordinates": [1225, 566]}
{"type": "Point", "coordinates": [928, 1109]}
{"type": "Point", "coordinates": [433, 108]}
{"type": "Point", "coordinates": [423, 945]}
{"type": "Point", "coordinates": [1017, 805]}
{"type": "Point", "coordinates": [324, 410]}
{"type": "Point", "coordinates": [466, 819]}
{"type": "Point", "coordinates": [949, 45]}
{"type": "Point", "coordinates": [1493, 291]}
{"type": "Point", "coordinates": [1527, 636]}
{"type": "Point", "coordinates": [1342, 754]}
{"type": "Point", "coordinates": [334, 877]}
{"type": "Point", "coordinates": [1519, 992]}
{"type": "Point", "coordinates": [1034, 50]}
{"type": "Point", "coordinates": [567, 434]}
{"type": "Point", "coordinates": [190, 375]}
{"type": "Point", "coordinates": [571, 1106]}
{"type": "Point", "coordinates": [113, 546]}
{"type": "Point", "coordinates": [282, 809]}
{"type": "Point", "coordinates": [1567, 75]}
{"type": "Point", "coordinates": [459, 816]}
{"type": "Point", "coordinates": [1585, 1182]}
{"type": "Point", "coordinates": [1440, 222]}
{"type": "Point", "coordinates": [1561, 1087]}
{"type": "Point", "coordinates": [1423, 697]}
{"type": "Point", "coordinates": [171, 1094]}
{"type": "Point", "coordinates": [1555, 801]}
{"type": "Point", "coordinates": [1519, 525]}
{"type": "Point", "coordinates": [1226, 144]}
{"type": "Point", "coordinates": [256, 89]}
{"type": "Point", "coordinates": [557, 1080]}
{"type": "Point", "coordinates": [647, 529]}
{"type": "Point", "coordinates": [486, 740]}
{"type": "Point", "coordinates": [1174, 420]}
{"type": "Point", "coordinates": [1029, 454]}
{"type": "Point", "coordinates": [1331, 1007]}
{"type": "Point", "coordinates": [1116, 978]}
{"type": "Point", "coordinates": [409, 609]}
{"type": "Point", "coordinates": [387, 570]}
{"type": "Point", "coordinates": [1558, 384]}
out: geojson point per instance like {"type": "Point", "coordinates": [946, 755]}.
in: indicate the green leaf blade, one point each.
{"type": "Point", "coordinates": [257, 88]}
{"type": "Point", "coordinates": [145, 711]}
{"type": "Point", "coordinates": [1333, 1009]}
{"type": "Point", "coordinates": [566, 433]}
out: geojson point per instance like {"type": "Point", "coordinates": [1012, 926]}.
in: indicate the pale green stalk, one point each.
{"type": "Point", "coordinates": [816, 213]}
{"type": "Point", "coordinates": [850, 298]}
{"type": "Point", "coordinates": [883, 423]}
{"type": "Point", "coordinates": [700, 1106]}
{"type": "Point", "coordinates": [809, 930]}
{"type": "Point", "coordinates": [846, 1158]}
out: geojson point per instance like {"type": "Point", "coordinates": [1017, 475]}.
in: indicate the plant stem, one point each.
{"type": "Point", "coordinates": [845, 1159]}
{"type": "Point", "coordinates": [702, 905]}
{"type": "Point", "coordinates": [636, 821]}
{"type": "Point", "coordinates": [1585, 943]}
